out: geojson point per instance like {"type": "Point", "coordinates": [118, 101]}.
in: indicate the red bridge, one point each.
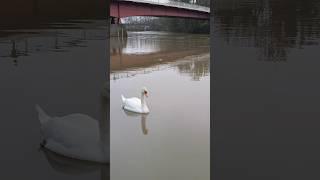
{"type": "Point", "coordinates": [157, 8]}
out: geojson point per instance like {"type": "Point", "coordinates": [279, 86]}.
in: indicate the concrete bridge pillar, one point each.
{"type": "Point", "coordinates": [115, 20]}
{"type": "Point", "coordinates": [118, 30]}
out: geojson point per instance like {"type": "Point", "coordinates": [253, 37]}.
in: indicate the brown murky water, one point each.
{"type": "Point", "coordinates": [172, 141]}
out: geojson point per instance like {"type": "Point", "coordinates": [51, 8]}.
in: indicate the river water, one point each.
{"type": "Point", "coordinates": [265, 93]}
{"type": "Point", "coordinates": [266, 89]}
{"type": "Point", "coordinates": [60, 66]}
{"type": "Point", "coordinates": [172, 142]}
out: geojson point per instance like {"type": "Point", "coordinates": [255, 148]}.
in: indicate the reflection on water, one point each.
{"type": "Point", "coordinates": [140, 44]}
{"type": "Point", "coordinates": [274, 27]}
{"type": "Point", "coordinates": [70, 166]}
{"type": "Point", "coordinates": [266, 115]}
{"type": "Point", "coordinates": [145, 49]}
{"type": "Point", "coordinates": [172, 141]}
{"type": "Point", "coordinates": [197, 68]}
{"type": "Point", "coordinates": [143, 120]}
{"type": "Point", "coordinates": [194, 66]}
{"type": "Point", "coordinates": [61, 66]}
{"type": "Point", "coordinates": [149, 42]}
{"type": "Point", "coordinates": [77, 135]}
{"type": "Point", "coordinates": [24, 42]}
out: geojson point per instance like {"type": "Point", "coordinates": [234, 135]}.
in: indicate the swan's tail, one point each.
{"type": "Point", "coordinates": [123, 98]}
{"type": "Point", "coordinates": [43, 116]}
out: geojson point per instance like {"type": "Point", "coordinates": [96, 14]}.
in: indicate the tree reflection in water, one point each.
{"type": "Point", "coordinates": [274, 27]}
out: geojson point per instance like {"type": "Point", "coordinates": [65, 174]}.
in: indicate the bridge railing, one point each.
{"type": "Point", "coordinates": [175, 4]}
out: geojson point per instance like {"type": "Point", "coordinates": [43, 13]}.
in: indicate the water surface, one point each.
{"type": "Point", "coordinates": [172, 142]}
{"type": "Point", "coordinates": [62, 67]}
{"type": "Point", "coordinates": [266, 89]}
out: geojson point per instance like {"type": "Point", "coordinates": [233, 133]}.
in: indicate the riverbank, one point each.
{"type": "Point", "coordinates": [129, 61]}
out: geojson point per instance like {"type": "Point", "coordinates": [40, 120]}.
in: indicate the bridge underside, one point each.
{"type": "Point", "coordinates": [121, 9]}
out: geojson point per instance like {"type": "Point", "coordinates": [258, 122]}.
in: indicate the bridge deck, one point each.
{"type": "Point", "coordinates": [175, 4]}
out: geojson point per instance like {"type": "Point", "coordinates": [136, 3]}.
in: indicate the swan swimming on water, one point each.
{"type": "Point", "coordinates": [77, 136]}
{"type": "Point", "coordinates": [135, 104]}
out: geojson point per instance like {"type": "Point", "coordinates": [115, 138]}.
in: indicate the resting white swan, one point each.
{"type": "Point", "coordinates": [77, 136]}
{"type": "Point", "coordinates": [135, 104]}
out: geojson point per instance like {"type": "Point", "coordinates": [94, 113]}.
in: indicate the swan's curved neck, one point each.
{"type": "Point", "coordinates": [143, 100]}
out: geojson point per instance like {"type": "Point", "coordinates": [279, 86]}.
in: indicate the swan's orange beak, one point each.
{"type": "Point", "coordinates": [146, 93]}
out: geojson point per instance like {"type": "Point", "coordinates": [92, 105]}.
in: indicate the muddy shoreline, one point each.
{"type": "Point", "coordinates": [127, 61]}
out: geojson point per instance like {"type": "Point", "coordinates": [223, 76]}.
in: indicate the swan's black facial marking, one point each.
{"type": "Point", "coordinates": [43, 143]}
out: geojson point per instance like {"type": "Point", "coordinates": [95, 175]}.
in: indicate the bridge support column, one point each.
{"type": "Point", "coordinates": [118, 30]}
{"type": "Point", "coordinates": [113, 21]}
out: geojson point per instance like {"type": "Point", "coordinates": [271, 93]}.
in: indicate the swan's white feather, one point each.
{"type": "Point", "coordinates": [134, 104]}
{"type": "Point", "coordinates": [75, 135]}
{"type": "Point", "coordinates": [43, 116]}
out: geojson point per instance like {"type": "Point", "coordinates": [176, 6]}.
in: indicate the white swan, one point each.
{"type": "Point", "coordinates": [135, 104]}
{"type": "Point", "coordinates": [77, 136]}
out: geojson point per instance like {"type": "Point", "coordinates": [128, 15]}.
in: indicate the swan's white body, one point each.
{"type": "Point", "coordinates": [135, 104]}
{"type": "Point", "coordinates": [76, 135]}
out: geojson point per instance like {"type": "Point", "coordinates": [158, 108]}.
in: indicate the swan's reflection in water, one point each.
{"type": "Point", "coordinates": [67, 165]}
{"type": "Point", "coordinates": [143, 124]}
{"type": "Point", "coordinates": [143, 120]}
{"type": "Point", "coordinates": [71, 166]}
